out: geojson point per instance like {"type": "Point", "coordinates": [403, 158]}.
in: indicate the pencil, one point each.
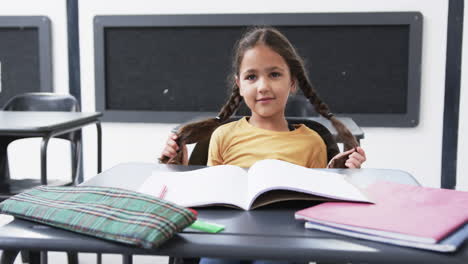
{"type": "Point", "coordinates": [162, 194]}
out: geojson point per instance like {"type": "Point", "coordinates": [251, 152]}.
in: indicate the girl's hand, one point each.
{"type": "Point", "coordinates": [355, 158]}
{"type": "Point", "coordinates": [171, 149]}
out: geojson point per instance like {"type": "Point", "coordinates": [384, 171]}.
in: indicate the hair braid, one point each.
{"type": "Point", "coordinates": [197, 131]}
{"type": "Point", "coordinates": [231, 106]}
{"type": "Point", "coordinates": [322, 108]}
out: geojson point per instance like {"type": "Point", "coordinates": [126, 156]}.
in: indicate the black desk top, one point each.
{"type": "Point", "coordinates": [31, 122]}
{"type": "Point", "coordinates": [264, 233]}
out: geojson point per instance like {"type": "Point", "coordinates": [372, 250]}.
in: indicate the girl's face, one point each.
{"type": "Point", "coordinates": [265, 82]}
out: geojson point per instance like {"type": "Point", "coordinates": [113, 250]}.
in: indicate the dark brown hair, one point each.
{"type": "Point", "coordinates": [272, 38]}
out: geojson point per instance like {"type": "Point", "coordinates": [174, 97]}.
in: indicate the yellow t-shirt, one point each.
{"type": "Point", "coordinates": [239, 143]}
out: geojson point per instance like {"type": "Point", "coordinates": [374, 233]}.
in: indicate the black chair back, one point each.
{"type": "Point", "coordinates": [42, 102]}
{"type": "Point", "coordinates": [45, 102]}
{"type": "Point", "coordinates": [199, 154]}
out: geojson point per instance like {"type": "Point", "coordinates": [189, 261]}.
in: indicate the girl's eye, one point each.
{"type": "Point", "coordinates": [275, 74]}
{"type": "Point", "coordinates": [250, 77]}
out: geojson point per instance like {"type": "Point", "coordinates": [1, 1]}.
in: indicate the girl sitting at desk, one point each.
{"type": "Point", "coordinates": [266, 69]}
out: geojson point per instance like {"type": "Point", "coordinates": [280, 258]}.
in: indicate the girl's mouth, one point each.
{"type": "Point", "coordinates": [265, 99]}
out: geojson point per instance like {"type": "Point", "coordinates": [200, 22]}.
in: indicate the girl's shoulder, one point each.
{"type": "Point", "coordinates": [304, 129]}
{"type": "Point", "coordinates": [232, 129]}
{"type": "Point", "coordinates": [233, 124]}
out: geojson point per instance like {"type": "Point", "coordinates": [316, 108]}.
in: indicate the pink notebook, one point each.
{"type": "Point", "coordinates": [400, 211]}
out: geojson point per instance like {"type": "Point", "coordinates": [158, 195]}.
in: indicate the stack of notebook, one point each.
{"type": "Point", "coordinates": [413, 216]}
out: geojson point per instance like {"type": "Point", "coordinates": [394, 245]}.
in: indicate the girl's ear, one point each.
{"type": "Point", "coordinates": [293, 86]}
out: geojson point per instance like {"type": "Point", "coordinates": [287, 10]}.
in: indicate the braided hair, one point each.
{"type": "Point", "coordinates": [272, 38]}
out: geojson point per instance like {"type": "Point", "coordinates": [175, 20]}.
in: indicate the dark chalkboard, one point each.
{"type": "Point", "coordinates": [170, 68]}
{"type": "Point", "coordinates": [25, 56]}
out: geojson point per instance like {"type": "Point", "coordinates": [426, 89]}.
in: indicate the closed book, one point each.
{"type": "Point", "coordinates": [409, 213]}
{"type": "Point", "coordinates": [448, 244]}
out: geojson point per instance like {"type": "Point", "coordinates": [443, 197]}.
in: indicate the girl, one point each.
{"type": "Point", "coordinates": [266, 69]}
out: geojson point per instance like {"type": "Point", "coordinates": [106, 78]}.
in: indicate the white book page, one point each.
{"type": "Point", "coordinates": [224, 184]}
{"type": "Point", "coordinates": [268, 175]}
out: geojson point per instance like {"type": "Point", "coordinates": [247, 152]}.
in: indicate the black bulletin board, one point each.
{"type": "Point", "coordinates": [25, 56]}
{"type": "Point", "coordinates": [170, 68]}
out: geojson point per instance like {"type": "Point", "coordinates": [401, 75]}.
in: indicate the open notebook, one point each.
{"type": "Point", "coordinates": [266, 182]}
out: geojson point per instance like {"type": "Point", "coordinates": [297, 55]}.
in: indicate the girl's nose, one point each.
{"type": "Point", "coordinates": [263, 85]}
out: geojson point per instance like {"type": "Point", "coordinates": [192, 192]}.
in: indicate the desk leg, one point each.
{"type": "Point", "coordinates": [31, 257]}
{"type": "Point", "coordinates": [171, 260]}
{"type": "Point", "coordinates": [8, 256]}
{"type": "Point", "coordinates": [77, 161]}
{"type": "Point", "coordinates": [44, 259]}
{"type": "Point", "coordinates": [72, 257]}
{"type": "Point", "coordinates": [45, 142]}
{"type": "Point", "coordinates": [127, 259]}
{"type": "Point", "coordinates": [99, 146]}
{"type": "Point", "coordinates": [4, 170]}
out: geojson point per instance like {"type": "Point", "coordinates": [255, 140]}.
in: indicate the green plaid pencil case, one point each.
{"type": "Point", "coordinates": [110, 213]}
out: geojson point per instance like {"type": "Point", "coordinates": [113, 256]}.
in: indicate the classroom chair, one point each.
{"type": "Point", "coordinates": [38, 102]}
{"type": "Point", "coordinates": [299, 106]}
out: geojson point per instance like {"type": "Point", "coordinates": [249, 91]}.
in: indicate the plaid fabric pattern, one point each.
{"type": "Point", "coordinates": [110, 213]}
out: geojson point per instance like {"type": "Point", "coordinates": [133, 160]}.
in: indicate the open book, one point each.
{"type": "Point", "coordinates": [266, 182]}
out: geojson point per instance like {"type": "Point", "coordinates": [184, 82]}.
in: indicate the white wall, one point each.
{"type": "Point", "coordinates": [416, 150]}
{"type": "Point", "coordinates": [462, 156]}
{"type": "Point", "coordinates": [56, 11]}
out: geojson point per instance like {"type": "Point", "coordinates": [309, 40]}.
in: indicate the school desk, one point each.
{"type": "Point", "coordinates": [264, 233]}
{"type": "Point", "coordinates": [46, 125]}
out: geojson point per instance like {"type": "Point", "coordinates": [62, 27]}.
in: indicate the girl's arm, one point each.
{"type": "Point", "coordinates": [356, 158]}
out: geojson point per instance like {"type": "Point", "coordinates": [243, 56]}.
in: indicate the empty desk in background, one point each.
{"type": "Point", "coordinates": [264, 233]}
{"type": "Point", "coordinates": [23, 124]}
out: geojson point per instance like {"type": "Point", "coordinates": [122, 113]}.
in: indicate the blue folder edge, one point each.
{"type": "Point", "coordinates": [449, 244]}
